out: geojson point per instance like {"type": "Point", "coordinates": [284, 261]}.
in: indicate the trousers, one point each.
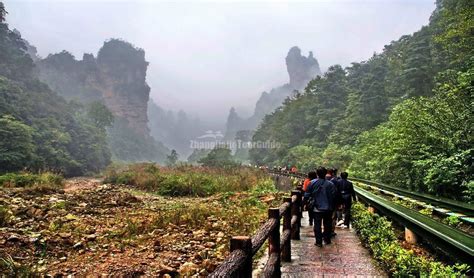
{"type": "Point", "coordinates": [323, 218]}
{"type": "Point", "coordinates": [347, 208]}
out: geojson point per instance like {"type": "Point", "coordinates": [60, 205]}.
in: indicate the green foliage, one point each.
{"type": "Point", "coordinates": [403, 117]}
{"type": "Point", "coordinates": [16, 144]}
{"type": "Point", "coordinates": [377, 233]}
{"type": "Point", "coordinates": [8, 266]}
{"type": "Point", "coordinates": [28, 179]}
{"type": "Point", "coordinates": [427, 143]}
{"type": "Point", "coordinates": [454, 21]}
{"type": "Point", "coordinates": [427, 211]}
{"type": "Point", "coordinates": [100, 116]}
{"type": "Point", "coordinates": [172, 158]}
{"type": "Point", "coordinates": [197, 155]}
{"type": "Point", "coordinates": [190, 181]}
{"type": "Point", "coordinates": [127, 145]}
{"type": "Point", "coordinates": [218, 157]}
{"type": "Point", "coordinates": [4, 216]}
{"type": "Point", "coordinates": [39, 130]}
{"type": "Point", "coordinates": [452, 220]}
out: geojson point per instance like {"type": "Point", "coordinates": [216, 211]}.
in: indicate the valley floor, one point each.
{"type": "Point", "coordinates": [89, 228]}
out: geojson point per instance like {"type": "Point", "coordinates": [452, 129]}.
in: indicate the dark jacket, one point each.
{"type": "Point", "coordinates": [346, 188]}
{"type": "Point", "coordinates": [338, 199]}
{"type": "Point", "coordinates": [323, 193]}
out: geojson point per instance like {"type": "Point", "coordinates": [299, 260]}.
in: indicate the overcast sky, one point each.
{"type": "Point", "coordinates": [208, 56]}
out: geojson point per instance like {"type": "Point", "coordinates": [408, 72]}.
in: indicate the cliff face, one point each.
{"type": "Point", "coordinates": [116, 77]}
{"type": "Point", "coordinates": [300, 69]}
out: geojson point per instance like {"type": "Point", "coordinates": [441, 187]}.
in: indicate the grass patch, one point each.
{"type": "Point", "coordinates": [188, 180]}
{"type": "Point", "coordinates": [29, 179]}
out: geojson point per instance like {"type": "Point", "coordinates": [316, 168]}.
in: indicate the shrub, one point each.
{"type": "Point", "coordinates": [190, 181]}
{"type": "Point", "coordinates": [29, 179]}
{"type": "Point", "coordinates": [452, 220]}
{"type": "Point", "coordinates": [4, 216]}
{"type": "Point", "coordinates": [378, 235]}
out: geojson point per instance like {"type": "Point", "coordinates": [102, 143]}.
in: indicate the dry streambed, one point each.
{"type": "Point", "coordinates": [116, 230]}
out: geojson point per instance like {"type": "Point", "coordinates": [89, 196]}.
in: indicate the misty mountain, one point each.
{"type": "Point", "coordinates": [40, 130]}
{"type": "Point", "coordinates": [175, 129]}
{"type": "Point", "coordinates": [115, 78]}
{"type": "Point", "coordinates": [300, 69]}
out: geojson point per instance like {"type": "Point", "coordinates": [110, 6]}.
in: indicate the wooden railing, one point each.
{"type": "Point", "coordinates": [243, 248]}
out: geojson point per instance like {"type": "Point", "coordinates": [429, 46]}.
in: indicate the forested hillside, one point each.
{"type": "Point", "coordinates": [402, 117]}
{"type": "Point", "coordinates": [39, 130]}
{"type": "Point", "coordinates": [301, 70]}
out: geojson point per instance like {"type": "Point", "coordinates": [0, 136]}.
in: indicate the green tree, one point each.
{"type": "Point", "coordinates": [63, 141]}
{"type": "Point", "coordinates": [100, 115]}
{"type": "Point", "coordinates": [218, 157]}
{"type": "Point", "coordinates": [172, 158]}
{"type": "Point", "coordinates": [197, 155]}
{"type": "Point", "coordinates": [427, 143]}
{"type": "Point", "coordinates": [16, 144]}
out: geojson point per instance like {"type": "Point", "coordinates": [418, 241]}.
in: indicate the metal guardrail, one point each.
{"type": "Point", "coordinates": [454, 205]}
{"type": "Point", "coordinates": [455, 242]}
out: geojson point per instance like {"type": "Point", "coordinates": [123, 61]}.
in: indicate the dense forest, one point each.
{"type": "Point", "coordinates": [72, 117]}
{"type": "Point", "coordinates": [39, 130]}
{"type": "Point", "coordinates": [403, 117]}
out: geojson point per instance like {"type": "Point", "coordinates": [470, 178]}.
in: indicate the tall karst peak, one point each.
{"type": "Point", "coordinates": [301, 69]}
{"type": "Point", "coordinates": [116, 77]}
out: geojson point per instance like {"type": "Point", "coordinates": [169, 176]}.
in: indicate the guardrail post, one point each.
{"type": "Point", "coordinates": [274, 240]}
{"type": "Point", "coordinates": [295, 207]}
{"type": "Point", "coordinates": [243, 243]}
{"type": "Point", "coordinates": [371, 209]}
{"type": "Point", "coordinates": [410, 236]}
{"type": "Point", "coordinates": [286, 248]}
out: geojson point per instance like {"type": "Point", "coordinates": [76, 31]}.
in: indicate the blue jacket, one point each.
{"type": "Point", "coordinates": [323, 193]}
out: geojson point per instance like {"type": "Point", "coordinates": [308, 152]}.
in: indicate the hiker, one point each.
{"type": "Point", "coordinates": [337, 214]}
{"type": "Point", "coordinates": [294, 170]}
{"type": "Point", "coordinates": [320, 195]}
{"type": "Point", "coordinates": [311, 176]}
{"type": "Point", "coordinates": [348, 194]}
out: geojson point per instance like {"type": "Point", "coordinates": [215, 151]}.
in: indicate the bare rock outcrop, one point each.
{"type": "Point", "coordinates": [116, 78]}
{"type": "Point", "coordinates": [301, 69]}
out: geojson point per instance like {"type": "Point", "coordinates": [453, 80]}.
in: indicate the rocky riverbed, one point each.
{"type": "Point", "coordinates": [89, 228]}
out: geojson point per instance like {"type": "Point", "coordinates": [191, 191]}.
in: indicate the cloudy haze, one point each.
{"type": "Point", "coordinates": [207, 56]}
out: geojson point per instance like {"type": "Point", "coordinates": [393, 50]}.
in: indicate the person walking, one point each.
{"type": "Point", "coordinates": [348, 194]}
{"type": "Point", "coordinates": [337, 213]}
{"type": "Point", "coordinates": [310, 177]}
{"type": "Point", "coordinates": [321, 196]}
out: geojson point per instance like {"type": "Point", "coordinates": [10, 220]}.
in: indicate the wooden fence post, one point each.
{"type": "Point", "coordinates": [274, 240]}
{"type": "Point", "coordinates": [243, 243]}
{"type": "Point", "coordinates": [286, 248]}
{"type": "Point", "coordinates": [300, 189]}
{"type": "Point", "coordinates": [295, 233]}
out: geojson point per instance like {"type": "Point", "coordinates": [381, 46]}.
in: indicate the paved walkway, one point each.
{"type": "Point", "coordinates": [344, 257]}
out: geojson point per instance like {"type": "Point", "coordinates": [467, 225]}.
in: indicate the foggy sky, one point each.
{"type": "Point", "coordinates": [208, 56]}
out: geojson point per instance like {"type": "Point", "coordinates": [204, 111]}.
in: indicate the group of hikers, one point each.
{"type": "Point", "coordinates": [328, 199]}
